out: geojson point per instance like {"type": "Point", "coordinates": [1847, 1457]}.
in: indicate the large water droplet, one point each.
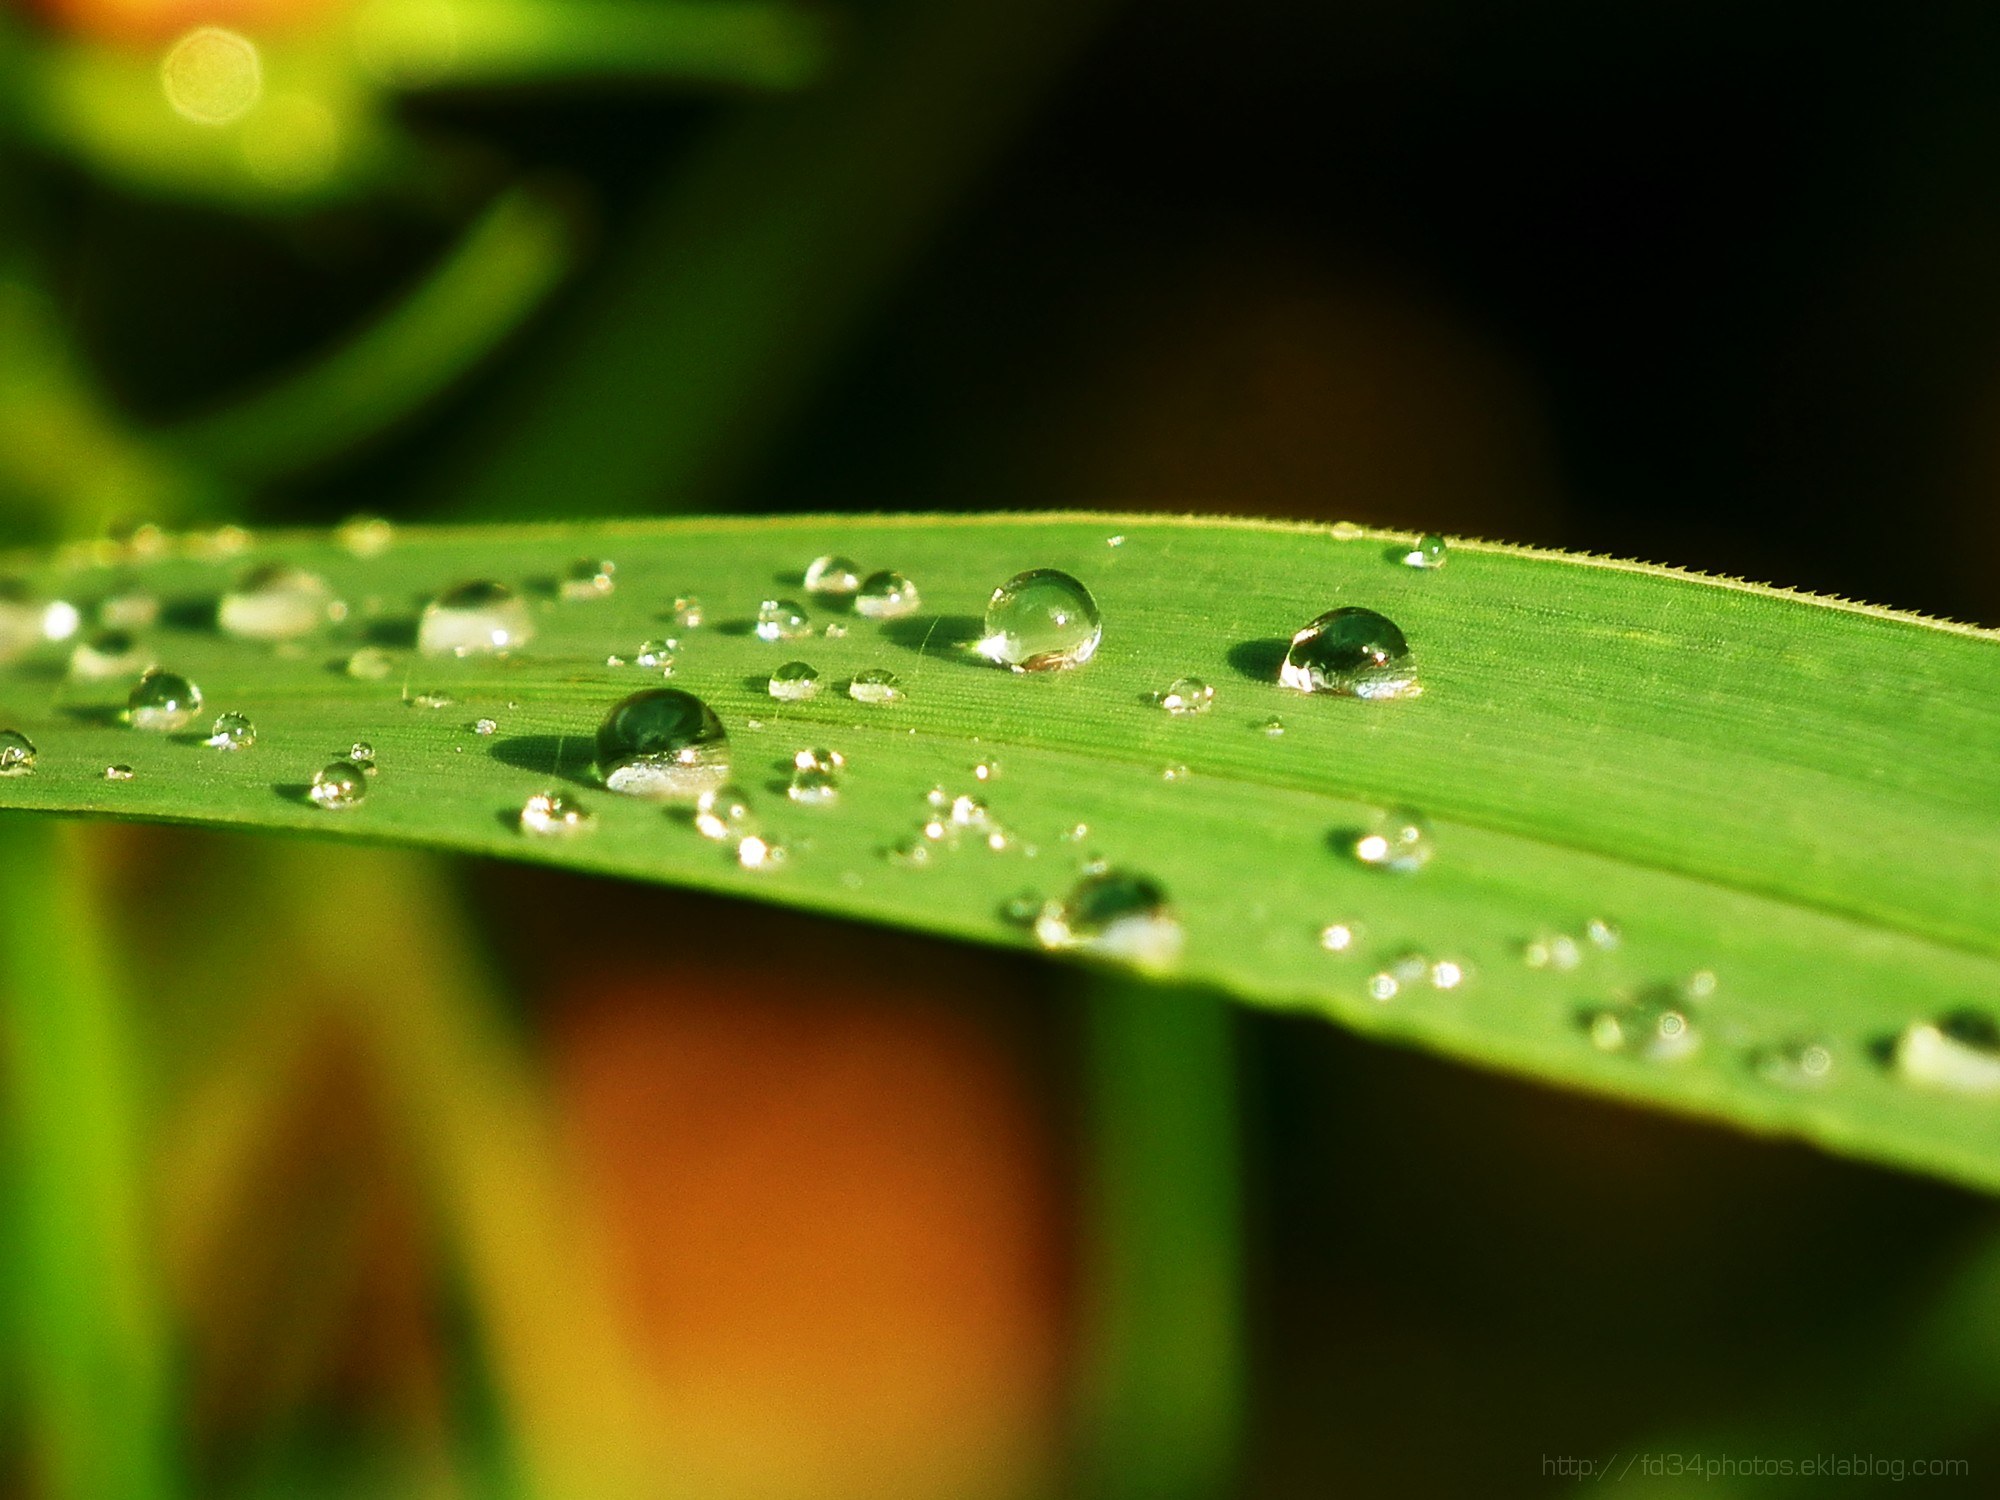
{"type": "Point", "coordinates": [232, 732]}
{"type": "Point", "coordinates": [588, 578]}
{"type": "Point", "coordinates": [1040, 621]}
{"type": "Point", "coordinates": [552, 815]}
{"type": "Point", "coordinates": [163, 702]}
{"type": "Point", "coordinates": [1428, 552]}
{"type": "Point", "coordinates": [1958, 1053]}
{"type": "Point", "coordinates": [782, 620]}
{"type": "Point", "coordinates": [1352, 651]}
{"type": "Point", "coordinates": [1655, 1025]}
{"type": "Point", "coordinates": [106, 655]}
{"type": "Point", "coordinates": [473, 619]}
{"type": "Point", "coordinates": [887, 596]}
{"type": "Point", "coordinates": [338, 786]}
{"type": "Point", "coordinates": [17, 753]}
{"type": "Point", "coordinates": [794, 682]}
{"type": "Point", "coordinates": [1187, 695]}
{"type": "Point", "coordinates": [877, 685]}
{"type": "Point", "coordinates": [1116, 915]}
{"type": "Point", "coordinates": [276, 602]}
{"type": "Point", "coordinates": [370, 664]}
{"type": "Point", "coordinates": [664, 744]}
{"type": "Point", "coordinates": [1399, 840]}
{"type": "Point", "coordinates": [831, 576]}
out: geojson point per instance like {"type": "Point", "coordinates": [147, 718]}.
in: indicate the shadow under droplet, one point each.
{"type": "Point", "coordinates": [1260, 660]}
{"type": "Point", "coordinates": [566, 757]}
{"type": "Point", "coordinates": [1881, 1051]}
{"type": "Point", "coordinates": [393, 630]}
{"type": "Point", "coordinates": [933, 635]}
{"type": "Point", "coordinates": [295, 791]}
{"type": "Point", "coordinates": [190, 614]}
{"type": "Point", "coordinates": [734, 627]}
{"type": "Point", "coordinates": [101, 715]}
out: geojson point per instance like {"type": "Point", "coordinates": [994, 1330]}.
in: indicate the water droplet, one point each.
{"type": "Point", "coordinates": [485, 726]}
{"type": "Point", "coordinates": [1958, 1053]}
{"type": "Point", "coordinates": [723, 812]}
{"type": "Point", "coordinates": [813, 787]}
{"type": "Point", "coordinates": [1114, 541]}
{"type": "Point", "coordinates": [17, 753]}
{"type": "Point", "coordinates": [20, 619]}
{"type": "Point", "coordinates": [819, 759]}
{"type": "Point", "coordinates": [474, 619]}
{"type": "Point", "coordinates": [758, 853]}
{"type": "Point", "coordinates": [1175, 773]}
{"type": "Point", "coordinates": [232, 732]}
{"type": "Point", "coordinates": [107, 654]}
{"type": "Point", "coordinates": [1556, 950]}
{"type": "Point", "coordinates": [60, 620]}
{"type": "Point", "coordinates": [1351, 651]}
{"type": "Point", "coordinates": [553, 815]}
{"type": "Point", "coordinates": [914, 852]}
{"type": "Point", "coordinates": [1116, 915]}
{"type": "Point", "coordinates": [1449, 974]}
{"type": "Point", "coordinates": [118, 773]}
{"type": "Point", "coordinates": [1699, 985]}
{"type": "Point", "coordinates": [834, 630]}
{"type": "Point", "coordinates": [782, 620]}
{"type": "Point", "coordinates": [163, 703]}
{"type": "Point", "coordinates": [363, 755]}
{"type": "Point", "coordinates": [1340, 937]}
{"type": "Point", "coordinates": [1383, 986]}
{"type": "Point", "coordinates": [1273, 727]}
{"type": "Point", "coordinates": [1801, 1063]}
{"type": "Point", "coordinates": [794, 682]}
{"type": "Point", "coordinates": [370, 664]}
{"type": "Point", "coordinates": [877, 685]}
{"type": "Point", "coordinates": [887, 596]}
{"type": "Point", "coordinates": [1346, 531]}
{"type": "Point", "coordinates": [986, 770]}
{"type": "Point", "coordinates": [339, 785]}
{"type": "Point", "coordinates": [970, 812]}
{"type": "Point", "coordinates": [687, 612]}
{"type": "Point", "coordinates": [1603, 934]}
{"type": "Point", "coordinates": [134, 611]}
{"type": "Point", "coordinates": [1399, 840]}
{"type": "Point", "coordinates": [1654, 1025]}
{"type": "Point", "coordinates": [275, 602]}
{"type": "Point", "coordinates": [830, 576]}
{"type": "Point", "coordinates": [657, 654]}
{"type": "Point", "coordinates": [587, 579]}
{"type": "Point", "coordinates": [365, 536]}
{"type": "Point", "coordinates": [1187, 695]}
{"type": "Point", "coordinates": [1022, 908]}
{"type": "Point", "coordinates": [614, 660]}
{"type": "Point", "coordinates": [1429, 552]}
{"type": "Point", "coordinates": [1075, 834]}
{"type": "Point", "coordinates": [664, 744]}
{"type": "Point", "coordinates": [1040, 621]}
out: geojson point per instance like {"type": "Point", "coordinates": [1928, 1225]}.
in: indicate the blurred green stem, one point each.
{"type": "Point", "coordinates": [1164, 1381]}
{"type": "Point", "coordinates": [87, 1294]}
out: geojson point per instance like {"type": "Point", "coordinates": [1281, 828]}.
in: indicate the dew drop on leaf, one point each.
{"type": "Point", "coordinates": [1351, 651]}
{"type": "Point", "coordinates": [365, 536]}
{"type": "Point", "coordinates": [1340, 937]}
{"type": "Point", "coordinates": [370, 664]}
{"type": "Point", "coordinates": [1655, 1026]}
{"type": "Point", "coordinates": [231, 732]}
{"type": "Point", "coordinates": [782, 620]}
{"type": "Point", "coordinates": [723, 813]}
{"type": "Point", "coordinates": [657, 654]}
{"type": "Point", "coordinates": [276, 602]}
{"type": "Point", "coordinates": [107, 654]}
{"type": "Point", "coordinates": [1800, 1064]}
{"type": "Point", "coordinates": [686, 612]}
{"type": "Point", "coordinates": [1272, 728]}
{"type": "Point", "coordinates": [1957, 1053]}
{"type": "Point", "coordinates": [132, 611]}
{"type": "Point", "coordinates": [474, 619]}
{"type": "Point", "coordinates": [1428, 552]}
{"type": "Point", "coordinates": [163, 703]}
{"type": "Point", "coordinates": [877, 685]}
{"type": "Point", "coordinates": [363, 755]}
{"type": "Point", "coordinates": [819, 758]}
{"type": "Point", "coordinates": [553, 815]}
{"type": "Point", "coordinates": [664, 744]}
{"type": "Point", "coordinates": [17, 753]}
{"type": "Point", "coordinates": [118, 773]}
{"type": "Point", "coordinates": [812, 787]}
{"type": "Point", "coordinates": [831, 576]}
{"type": "Point", "coordinates": [1040, 621]}
{"type": "Point", "coordinates": [485, 726]}
{"type": "Point", "coordinates": [887, 595]}
{"type": "Point", "coordinates": [1114, 914]}
{"type": "Point", "coordinates": [587, 579]}
{"type": "Point", "coordinates": [340, 785]}
{"type": "Point", "coordinates": [1187, 695]}
{"type": "Point", "coordinates": [1399, 840]}
{"type": "Point", "coordinates": [794, 682]}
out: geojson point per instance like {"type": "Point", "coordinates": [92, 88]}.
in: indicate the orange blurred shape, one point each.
{"type": "Point", "coordinates": [834, 1219]}
{"type": "Point", "coordinates": [153, 21]}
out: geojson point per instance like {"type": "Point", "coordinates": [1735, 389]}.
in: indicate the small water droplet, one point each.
{"type": "Point", "coordinates": [914, 852]}
{"type": "Point", "coordinates": [118, 773]}
{"type": "Point", "coordinates": [363, 755]}
{"type": "Point", "coordinates": [794, 682]}
{"type": "Point", "coordinates": [812, 786]}
{"type": "Point", "coordinates": [1654, 1025]}
{"type": "Point", "coordinates": [1273, 727]}
{"type": "Point", "coordinates": [1383, 986]}
{"type": "Point", "coordinates": [1022, 908]}
{"type": "Point", "coordinates": [1399, 840]}
{"type": "Point", "coordinates": [339, 785]}
{"type": "Point", "coordinates": [819, 759]}
{"type": "Point", "coordinates": [1187, 695]}
{"type": "Point", "coordinates": [365, 536]}
{"type": "Point", "coordinates": [17, 753]}
{"type": "Point", "coordinates": [1040, 621]}
{"type": "Point", "coordinates": [1603, 934]}
{"type": "Point", "coordinates": [1428, 552]}
{"type": "Point", "coordinates": [275, 602]}
{"type": "Point", "coordinates": [1555, 950]}
{"type": "Point", "coordinates": [1340, 937]}
{"type": "Point", "coordinates": [834, 630]}
{"type": "Point", "coordinates": [758, 853]}
{"type": "Point", "coordinates": [1958, 1053]}
{"type": "Point", "coordinates": [657, 654]}
{"type": "Point", "coordinates": [887, 596]}
{"type": "Point", "coordinates": [614, 660]}
{"type": "Point", "coordinates": [553, 815]}
{"type": "Point", "coordinates": [986, 770]}
{"type": "Point", "coordinates": [1449, 974]}
{"type": "Point", "coordinates": [1114, 541]}
{"type": "Point", "coordinates": [664, 744]}
{"type": "Point", "coordinates": [724, 812]}
{"type": "Point", "coordinates": [1175, 773]}
{"type": "Point", "coordinates": [1699, 985]}
{"type": "Point", "coordinates": [686, 612]}
{"type": "Point", "coordinates": [1801, 1063]}
{"type": "Point", "coordinates": [1346, 531]}
{"type": "Point", "coordinates": [485, 726]}
{"type": "Point", "coordinates": [586, 579]}
{"type": "Point", "coordinates": [1351, 651]}
{"type": "Point", "coordinates": [370, 664]}
{"type": "Point", "coordinates": [782, 620]}
{"type": "Point", "coordinates": [431, 698]}
{"type": "Point", "coordinates": [107, 654]}
{"type": "Point", "coordinates": [831, 576]}
{"type": "Point", "coordinates": [1116, 915]}
{"type": "Point", "coordinates": [877, 685]}
{"type": "Point", "coordinates": [232, 732]}
{"type": "Point", "coordinates": [474, 619]}
{"type": "Point", "coordinates": [1075, 834]}
{"type": "Point", "coordinates": [163, 703]}
{"type": "Point", "coordinates": [131, 611]}
{"type": "Point", "coordinates": [971, 812]}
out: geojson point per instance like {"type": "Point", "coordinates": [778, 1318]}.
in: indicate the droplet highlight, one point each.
{"type": "Point", "coordinates": [875, 686]}
{"type": "Point", "coordinates": [553, 815]}
{"type": "Point", "coordinates": [831, 576]}
{"type": "Point", "coordinates": [231, 732]}
{"type": "Point", "coordinates": [163, 703]}
{"type": "Point", "coordinates": [1351, 651]}
{"type": "Point", "coordinates": [338, 786]}
{"type": "Point", "coordinates": [887, 596]}
{"type": "Point", "coordinates": [1187, 695]}
{"type": "Point", "coordinates": [794, 682]}
{"type": "Point", "coordinates": [475, 619]}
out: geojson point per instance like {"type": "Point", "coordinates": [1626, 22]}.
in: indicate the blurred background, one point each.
{"type": "Point", "coordinates": [527, 1186]}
